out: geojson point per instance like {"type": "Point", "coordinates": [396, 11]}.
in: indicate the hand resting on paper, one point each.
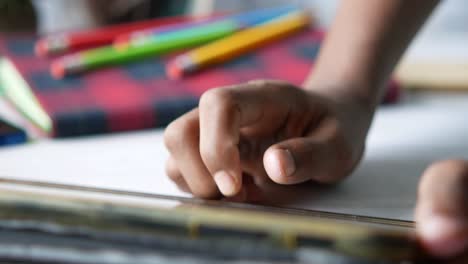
{"type": "Point", "coordinates": [274, 132]}
{"type": "Point", "coordinates": [271, 131]}
{"type": "Point", "coordinates": [266, 130]}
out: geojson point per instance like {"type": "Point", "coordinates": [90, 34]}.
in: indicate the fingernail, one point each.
{"type": "Point", "coordinates": [444, 236]}
{"type": "Point", "coordinates": [225, 182]}
{"type": "Point", "coordinates": [279, 163]}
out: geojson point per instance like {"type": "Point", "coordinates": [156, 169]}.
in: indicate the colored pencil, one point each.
{"type": "Point", "coordinates": [242, 20]}
{"type": "Point", "coordinates": [65, 42]}
{"type": "Point", "coordinates": [140, 36]}
{"type": "Point", "coordinates": [163, 44]}
{"type": "Point", "coordinates": [237, 44]}
{"type": "Point", "coordinates": [108, 55]}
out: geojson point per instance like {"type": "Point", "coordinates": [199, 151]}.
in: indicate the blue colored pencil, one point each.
{"type": "Point", "coordinates": [241, 21]}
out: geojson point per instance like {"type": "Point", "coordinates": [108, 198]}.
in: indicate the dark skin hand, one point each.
{"type": "Point", "coordinates": [255, 130]}
{"type": "Point", "coordinates": [265, 132]}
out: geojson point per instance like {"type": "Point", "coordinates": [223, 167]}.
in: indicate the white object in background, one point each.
{"type": "Point", "coordinates": [9, 114]}
{"type": "Point", "coordinates": [59, 15]}
{"type": "Point", "coordinates": [438, 57]}
{"type": "Point", "coordinates": [323, 11]}
{"type": "Point", "coordinates": [444, 37]}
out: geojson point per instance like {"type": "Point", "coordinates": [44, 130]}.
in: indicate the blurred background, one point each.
{"type": "Point", "coordinates": [48, 16]}
{"type": "Point", "coordinates": [57, 15]}
{"type": "Point", "coordinates": [436, 60]}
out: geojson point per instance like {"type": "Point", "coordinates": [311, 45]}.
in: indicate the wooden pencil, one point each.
{"type": "Point", "coordinates": [240, 43]}
{"type": "Point", "coordinates": [64, 42]}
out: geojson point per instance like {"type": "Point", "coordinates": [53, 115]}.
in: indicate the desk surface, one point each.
{"type": "Point", "coordinates": [404, 139]}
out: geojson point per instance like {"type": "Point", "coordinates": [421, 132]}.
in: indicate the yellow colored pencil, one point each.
{"type": "Point", "coordinates": [237, 44]}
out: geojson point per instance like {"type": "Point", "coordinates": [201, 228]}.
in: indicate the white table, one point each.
{"type": "Point", "coordinates": [403, 140]}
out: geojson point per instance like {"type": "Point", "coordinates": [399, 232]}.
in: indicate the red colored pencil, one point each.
{"type": "Point", "coordinates": [65, 42]}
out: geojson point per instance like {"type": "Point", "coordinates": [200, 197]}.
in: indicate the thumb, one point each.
{"type": "Point", "coordinates": [301, 159]}
{"type": "Point", "coordinates": [442, 208]}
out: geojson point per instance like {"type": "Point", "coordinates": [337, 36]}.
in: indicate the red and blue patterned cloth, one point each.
{"type": "Point", "coordinates": [140, 96]}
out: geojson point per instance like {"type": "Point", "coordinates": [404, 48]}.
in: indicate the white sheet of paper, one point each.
{"type": "Point", "coordinates": [404, 139]}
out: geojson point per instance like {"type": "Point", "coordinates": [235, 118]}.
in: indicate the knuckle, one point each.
{"type": "Point", "coordinates": [171, 135]}
{"type": "Point", "coordinates": [274, 84]}
{"type": "Point", "coordinates": [260, 82]}
{"type": "Point", "coordinates": [217, 98]}
{"type": "Point", "coordinates": [174, 177]}
{"type": "Point", "coordinates": [172, 172]}
{"type": "Point", "coordinates": [178, 133]}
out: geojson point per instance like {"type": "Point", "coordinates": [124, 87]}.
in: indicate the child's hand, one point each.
{"type": "Point", "coordinates": [267, 130]}
{"type": "Point", "coordinates": [442, 210]}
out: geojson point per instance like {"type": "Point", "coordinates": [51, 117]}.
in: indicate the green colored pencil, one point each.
{"type": "Point", "coordinates": [109, 55]}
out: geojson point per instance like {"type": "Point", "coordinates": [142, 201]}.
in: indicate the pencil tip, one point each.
{"type": "Point", "coordinates": [57, 70]}
{"type": "Point", "coordinates": [174, 72]}
{"type": "Point", "coordinates": [121, 43]}
{"type": "Point", "coordinates": [41, 48]}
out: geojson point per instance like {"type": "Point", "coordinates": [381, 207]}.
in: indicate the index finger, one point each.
{"type": "Point", "coordinates": [223, 112]}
